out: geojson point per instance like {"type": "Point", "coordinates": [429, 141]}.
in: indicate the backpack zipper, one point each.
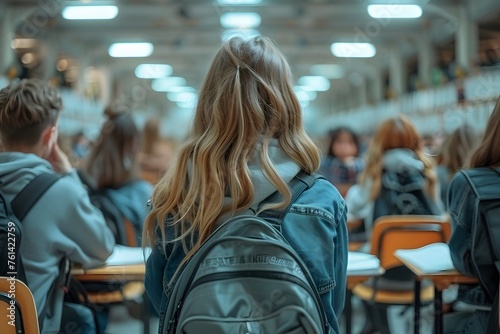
{"type": "Point", "coordinates": [251, 273]}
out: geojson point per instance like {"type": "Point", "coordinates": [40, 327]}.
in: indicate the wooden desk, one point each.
{"type": "Point", "coordinates": [441, 281]}
{"type": "Point", "coordinates": [132, 272]}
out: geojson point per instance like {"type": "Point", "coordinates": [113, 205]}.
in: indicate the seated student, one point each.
{"type": "Point", "coordinates": [156, 152]}
{"type": "Point", "coordinates": [398, 179]}
{"type": "Point", "coordinates": [63, 223]}
{"type": "Point", "coordinates": [223, 171]}
{"type": "Point", "coordinates": [113, 167]}
{"type": "Point", "coordinates": [395, 162]}
{"type": "Point", "coordinates": [472, 300]}
{"type": "Point", "coordinates": [455, 152]}
{"type": "Point", "coordinates": [342, 164]}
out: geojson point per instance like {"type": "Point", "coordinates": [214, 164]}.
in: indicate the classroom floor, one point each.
{"type": "Point", "coordinates": [121, 322]}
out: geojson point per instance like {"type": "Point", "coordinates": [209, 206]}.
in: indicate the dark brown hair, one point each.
{"type": "Point", "coordinates": [27, 107]}
{"type": "Point", "coordinates": [334, 136]}
{"type": "Point", "coordinates": [113, 160]}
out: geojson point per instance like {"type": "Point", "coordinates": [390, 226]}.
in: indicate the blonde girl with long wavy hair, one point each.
{"type": "Point", "coordinates": [247, 142]}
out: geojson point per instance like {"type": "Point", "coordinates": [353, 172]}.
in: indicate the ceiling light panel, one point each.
{"type": "Point", "coordinates": [395, 11]}
{"type": "Point", "coordinates": [239, 2]}
{"type": "Point", "coordinates": [314, 83]}
{"type": "Point", "coordinates": [121, 50]}
{"type": "Point", "coordinates": [353, 50]}
{"type": "Point", "coordinates": [240, 20]}
{"type": "Point", "coordinates": [90, 12]}
{"type": "Point", "coordinates": [153, 71]}
{"type": "Point", "coordinates": [167, 84]}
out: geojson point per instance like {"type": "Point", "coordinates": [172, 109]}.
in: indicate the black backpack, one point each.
{"type": "Point", "coordinates": [11, 217]}
{"type": "Point", "coordinates": [402, 193]}
{"type": "Point", "coordinates": [247, 278]}
{"type": "Point", "coordinates": [485, 248]}
{"type": "Point", "coordinates": [113, 216]}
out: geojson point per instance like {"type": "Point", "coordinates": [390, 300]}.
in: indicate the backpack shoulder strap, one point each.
{"type": "Point", "coordinates": [29, 195]}
{"type": "Point", "coordinates": [298, 185]}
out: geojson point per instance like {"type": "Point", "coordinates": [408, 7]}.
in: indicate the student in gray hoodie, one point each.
{"type": "Point", "coordinates": [63, 224]}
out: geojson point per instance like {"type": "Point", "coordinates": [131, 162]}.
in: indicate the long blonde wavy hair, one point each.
{"type": "Point", "coordinates": [246, 100]}
{"type": "Point", "coordinates": [397, 132]}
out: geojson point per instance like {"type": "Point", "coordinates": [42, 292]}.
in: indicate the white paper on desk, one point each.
{"type": "Point", "coordinates": [430, 259]}
{"type": "Point", "coordinates": [357, 261]}
{"type": "Point", "coordinates": [124, 255]}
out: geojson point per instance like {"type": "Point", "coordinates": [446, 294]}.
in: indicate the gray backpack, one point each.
{"type": "Point", "coordinates": [246, 278]}
{"type": "Point", "coordinates": [485, 248]}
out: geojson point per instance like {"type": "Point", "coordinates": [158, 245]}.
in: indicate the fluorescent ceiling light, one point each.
{"type": "Point", "coordinates": [130, 49]}
{"type": "Point", "coordinates": [180, 89]}
{"type": "Point", "coordinates": [354, 50]}
{"type": "Point", "coordinates": [166, 84]}
{"type": "Point", "coordinates": [226, 34]}
{"type": "Point", "coordinates": [240, 20]}
{"type": "Point", "coordinates": [314, 83]}
{"type": "Point", "coordinates": [187, 104]}
{"type": "Point", "coordinates": [153, 71]}
{"type": "Point", "coordinates": [181, 96]}
{"type": "Point", "coordinates": [239, 2]}
{"type": "Point", "coordinates": [330, 71]}
{"type": "Point", "coordinates": [90, 12]}
{"type": "Point", "coordinates": [304, 94]}
{"type": "Point", "coordinates": [395, 11]}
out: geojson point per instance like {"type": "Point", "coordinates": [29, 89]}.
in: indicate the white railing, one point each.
{"type": "Point", "coordinates": [431, 110]}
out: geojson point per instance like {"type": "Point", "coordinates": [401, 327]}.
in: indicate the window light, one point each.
{"type": "Point", "coordinates": [314, 83]}
{"type": "Point", "coordinates": [90, 12]}
{"type": "Point", "coordinates": [153, 71]}
{"type": "Point", "coordinates": [130, 49]}
{"type": "Point", "coordinates": [394, 11]}
{"type": "Point", "coordinates": [241, 20]}
{"type": "Point", "coordinates": [355, 50]}
{"type": "Point", "coordinates": [330, 71]}
{"type": "Point", "coordinates": [166, 84]}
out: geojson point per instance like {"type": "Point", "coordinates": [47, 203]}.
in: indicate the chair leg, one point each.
{"type": "Point", "coordinates": [368, 327]}
{"type": "Point", "coordinates": [145, 313]}
{"type": "Point", "coordinates": [381, 322]}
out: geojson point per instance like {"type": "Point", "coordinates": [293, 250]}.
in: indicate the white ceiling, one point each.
{"type": "Point", "coordinates": [186, 34]}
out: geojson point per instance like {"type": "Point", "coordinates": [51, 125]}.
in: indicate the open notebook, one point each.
{"type": "Point", "coordinates": [430, 259]}
{"type": "Point", "coordinates": [357, 261]}
{"type": "Point", "coordinates": [124, 255]}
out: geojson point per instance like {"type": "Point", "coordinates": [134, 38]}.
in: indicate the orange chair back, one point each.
{"type": "Point", "coordinates": [17, 307]}
{"type": "Point", "coordinates": [406, 232]}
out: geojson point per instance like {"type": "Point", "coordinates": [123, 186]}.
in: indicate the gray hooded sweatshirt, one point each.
{"type": "Point", "coordinates": [62, 224]}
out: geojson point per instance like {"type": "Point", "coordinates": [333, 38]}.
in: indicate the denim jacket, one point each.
{"type": "Point", "coordinates": [315, 227]}
{"type": "Point", "coordinates": [461, 207]}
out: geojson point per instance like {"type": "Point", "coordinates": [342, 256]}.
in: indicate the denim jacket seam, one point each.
{"type": "Point", "coordinates": [318, 212]}
{"type": "Point", "coordinates": [327, 287]}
